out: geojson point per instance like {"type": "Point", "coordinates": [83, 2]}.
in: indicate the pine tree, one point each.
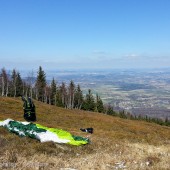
{"type": "Point", "coordinates": [53, 92]}
{"type": "Point", "coordinates": [89, 103]}
{"type": "Point", "coordinates": [99, 104]}
{"type": "Point", "coordinates": [110, 110]}
{"type": "Point", "coordinates": [40, 85]}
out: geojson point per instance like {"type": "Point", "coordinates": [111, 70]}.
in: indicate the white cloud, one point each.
{"type": "Point", "coordinates": [132, 56]}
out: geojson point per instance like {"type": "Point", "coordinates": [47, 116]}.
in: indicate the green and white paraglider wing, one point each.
{"type": "Point", "coordinates": [42, 133]}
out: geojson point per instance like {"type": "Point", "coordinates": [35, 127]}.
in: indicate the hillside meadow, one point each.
{"type": "Point", "coordinates": [115, 144]}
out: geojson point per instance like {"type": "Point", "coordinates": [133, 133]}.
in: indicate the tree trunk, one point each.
{"type": "Point", "coordinates": [7, 88]}
{"type": "Point", "coordinates": [3, 86]}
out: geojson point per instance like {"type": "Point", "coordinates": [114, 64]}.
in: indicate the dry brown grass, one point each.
{"type": "Point", "coordinates": [116, 143]}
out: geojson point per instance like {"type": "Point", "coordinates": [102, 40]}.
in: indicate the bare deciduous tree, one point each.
{"type": "Point", "coordinates": [4, 83]}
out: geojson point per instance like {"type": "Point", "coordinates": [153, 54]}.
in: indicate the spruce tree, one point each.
{"type": "Point", "coordinates": [99, 104]}
{"type": "Point", "coordinates": [53, 92]}
{"type": "Point", "coordinates": [40, 85]}
{"type": "Point", "coordinates": [110, 110]}
{"type": "Point", "coordinates": [89, 103]}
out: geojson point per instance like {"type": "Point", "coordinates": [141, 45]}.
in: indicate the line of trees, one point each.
{"type": "Point", "coordinates": [11, 84]}
{"type": "Point", "coordinates": [126, 115]}
{"type": "Point", "coordinates": [68, 96]}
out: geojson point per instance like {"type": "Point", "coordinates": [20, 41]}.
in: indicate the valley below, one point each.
{"type": "Point", "coordinates": [140, 92]}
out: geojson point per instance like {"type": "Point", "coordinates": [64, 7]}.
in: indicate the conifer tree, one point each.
{"type": "Point", "coordinates": [40, 85]}
{"type": "Point", "coordinates": [110, 110]}
{"type": "Point", "coordinates": [99, 104]}
{"type": "Point", "coordinates": [89, 103]}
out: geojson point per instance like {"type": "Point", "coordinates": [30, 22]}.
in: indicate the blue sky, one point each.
{"type": "Point", "coordinates": [76, 34]}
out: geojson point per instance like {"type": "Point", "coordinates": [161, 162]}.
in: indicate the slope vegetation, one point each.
{"type": "Point", "coordinates": [116, 143]}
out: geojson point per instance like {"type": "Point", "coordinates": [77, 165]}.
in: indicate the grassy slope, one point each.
{"type": "Point", "coordinates": [115, 142]}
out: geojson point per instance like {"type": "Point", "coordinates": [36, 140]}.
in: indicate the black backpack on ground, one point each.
{"type": "Point", "coordinates": [29, 109]}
